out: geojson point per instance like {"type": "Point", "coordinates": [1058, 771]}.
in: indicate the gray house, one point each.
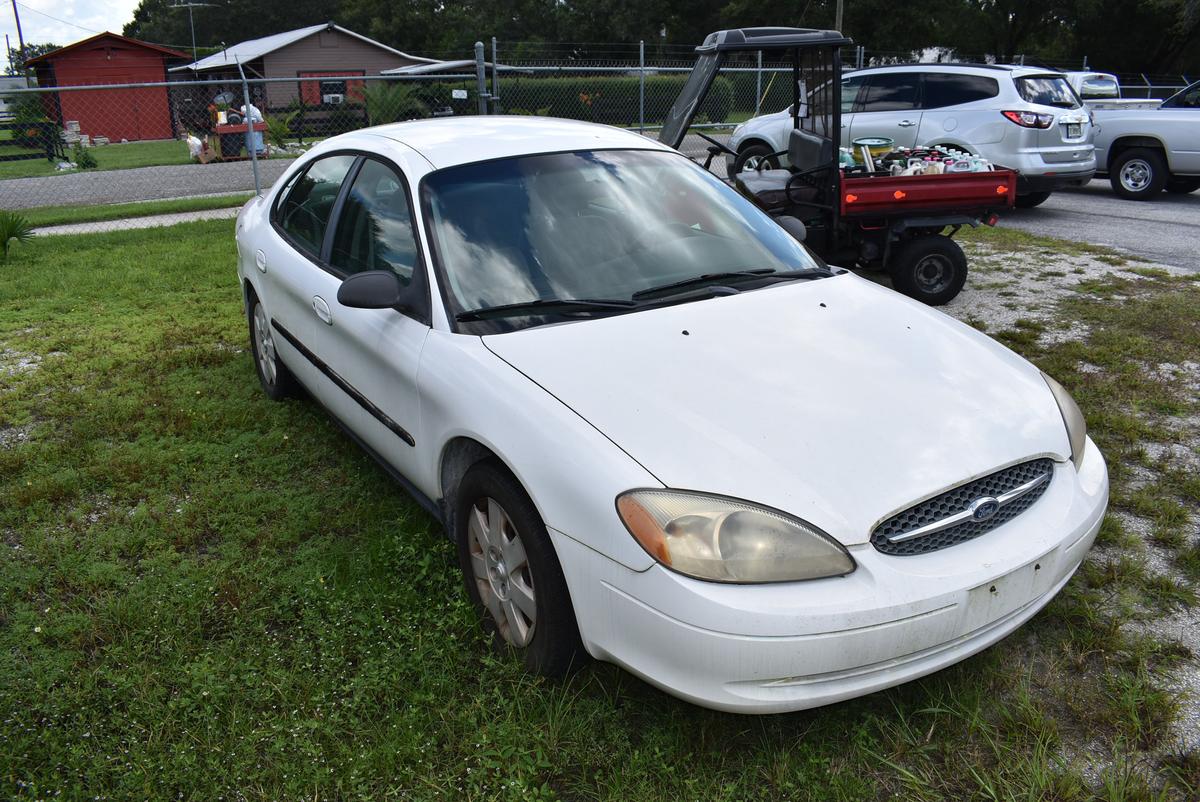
{"type": "Point", "coordinates": [325, 51]}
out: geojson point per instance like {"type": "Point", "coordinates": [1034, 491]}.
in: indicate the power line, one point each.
{"type": "Point", "coordinates": [57, 19]}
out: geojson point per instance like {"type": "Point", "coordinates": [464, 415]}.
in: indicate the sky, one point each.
{"type": "Point", "coordinates": [68, 20]}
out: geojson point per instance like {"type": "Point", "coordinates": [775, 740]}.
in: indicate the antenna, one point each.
{"type": "Point", "coordinates": [189, 6]}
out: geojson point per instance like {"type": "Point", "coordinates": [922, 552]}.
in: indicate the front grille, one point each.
{"type": "Point", "coordinates": [956, 501]}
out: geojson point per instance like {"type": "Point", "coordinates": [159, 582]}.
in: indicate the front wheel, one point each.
{"type": "Point", "coordinates": [1138, 174]}
{"type": "Point", "coordinates": [754, 156]}
{"type": "Point", "coordinates": [1031, 200]}
{"type": "Point", "coordinates": [512, 573]}
{"type": "Point", "coordinates": [1182, 186]}
{"type": "Point", "coordinates": [931, 269]}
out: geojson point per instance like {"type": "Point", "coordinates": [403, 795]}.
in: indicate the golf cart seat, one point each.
{"type": "Point", "coordinates": [809, 155]}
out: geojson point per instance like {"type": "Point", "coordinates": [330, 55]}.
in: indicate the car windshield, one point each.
{"type": "Point", "coordinates": [1048, 90]}
{"type": "Point", "coordinates": [591, 225]}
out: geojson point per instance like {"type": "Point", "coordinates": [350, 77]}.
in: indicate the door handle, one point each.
{"type": "Point", "coordinates": [322, 310]}
{"type": "Point", "coordinates": [907, 123]}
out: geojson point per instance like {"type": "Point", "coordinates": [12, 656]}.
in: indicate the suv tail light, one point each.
{"type": "Point", "coordinates": [1029, 119]}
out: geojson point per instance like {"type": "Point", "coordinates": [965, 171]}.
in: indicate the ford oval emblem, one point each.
{"type": "Point", "coordinates": [983, 508]}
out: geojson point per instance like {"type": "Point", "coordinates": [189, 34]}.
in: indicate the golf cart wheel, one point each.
{"type": "Point", "coordinates": [1182, 186]}
{"type": "Point", "coordinates": [1138, 174]}
{"type": "Point", "coordinates": [931, 269]}
{"type": "Point", "coordinates": [751, 157]}
{"type": "Point", "coordinates": [277, 381]}
{"type": "Point", "coordinates": [1031, 200]}
{"type": "Point", "coordinates": [512, 573]}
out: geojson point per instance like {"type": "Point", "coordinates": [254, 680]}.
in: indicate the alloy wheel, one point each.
{"type": "Point", "coordinates": [501, 571]}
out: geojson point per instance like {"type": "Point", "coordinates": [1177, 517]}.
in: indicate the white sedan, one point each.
{"type": "Point", "coordinates": [660, 431]}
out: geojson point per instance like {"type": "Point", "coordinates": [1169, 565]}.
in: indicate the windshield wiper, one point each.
{"type": "Point", "coordinates": [732, 276]}
{"type": "Point", "coordinates": [545, 306]}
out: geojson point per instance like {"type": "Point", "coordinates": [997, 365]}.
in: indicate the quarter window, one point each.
{"type": "Point", "coordinates": [895, 92]}
{"type": "Point", "coordinates": [942, 89]}
{"type": "Point", "coordinates": [375, 228]}
{"type": "Point", "coordinates": [304, 213]}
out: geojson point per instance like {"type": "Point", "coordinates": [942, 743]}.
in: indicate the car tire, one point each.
{"type": "Point", "coordinates": [1031, 200]}
{"type": "Point", "coordinates": [1182, 186]}
{"type": "Point", "coordinates": [1138, 174]}
{"type": "Point", "coordinates": [276, 380]}
{"type": "Point", "coordinates": [749, 155]}
{"type": "Point", "coordinates": [512, 573]}
{"type": "Point", "coordinates": [931, 269]}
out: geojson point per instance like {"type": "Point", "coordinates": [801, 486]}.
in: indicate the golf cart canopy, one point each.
{"type": "Point", "coordinates": [713, 52]}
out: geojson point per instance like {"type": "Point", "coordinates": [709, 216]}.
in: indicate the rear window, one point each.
{"type": "Point", "coordinates": [1096, 87]}
{"type": "Point", "coordinates": [943, 90]}
{"type": "Point", "coordinates": [1048, 90]}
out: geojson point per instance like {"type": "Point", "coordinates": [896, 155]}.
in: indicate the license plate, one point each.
{"type": "Point", "coordinates": [1074, 130]}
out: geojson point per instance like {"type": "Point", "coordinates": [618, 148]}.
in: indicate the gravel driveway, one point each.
{"type": "Point", "coordinates": [138, 184]}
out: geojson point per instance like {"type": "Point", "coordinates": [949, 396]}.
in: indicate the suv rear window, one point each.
{"type": "Point", "coordinates": [1048, 90]}
{"type": "Point", "coordinates": [943, 89]}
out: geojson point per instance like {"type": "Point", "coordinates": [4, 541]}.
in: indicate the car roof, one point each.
{"type": "Point", "coordinates": [935, 66]}
{"type": "Point", "coordinates": [450, 141]}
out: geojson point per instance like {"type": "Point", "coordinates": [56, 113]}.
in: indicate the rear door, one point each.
{"type": "Point", "coordinates": [889, 107]}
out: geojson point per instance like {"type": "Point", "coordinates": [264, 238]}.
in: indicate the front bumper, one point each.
{"type": "Point", "coordinates": [791, 646]}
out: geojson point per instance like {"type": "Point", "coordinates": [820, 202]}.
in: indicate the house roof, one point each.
{"type": "Point", "coordinates": [166, 51]}
{"type": "Point", "coordinates": [257, 48]}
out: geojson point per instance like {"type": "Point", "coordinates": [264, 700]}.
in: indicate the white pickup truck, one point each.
{"type": "Point", "coordinates": [1144, 146]}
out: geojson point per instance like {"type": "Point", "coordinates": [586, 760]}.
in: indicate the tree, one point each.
{"type": "Point", "coordinates": [31, 51]}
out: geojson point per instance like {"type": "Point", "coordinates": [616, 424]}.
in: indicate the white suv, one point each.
{"type": "Point", "coordinates": [1024, 118]}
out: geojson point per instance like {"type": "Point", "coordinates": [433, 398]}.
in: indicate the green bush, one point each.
{"type": "Point", "coordinates": [279, 127]}
{"type": "Point", "coordinates": [83, 158]}
{"type": "Point", "coordinates": [13, 227]}
{"type": "Point", "coordinates": [611, 99]}
{"type": "Point", "coordinates": [389, 103]}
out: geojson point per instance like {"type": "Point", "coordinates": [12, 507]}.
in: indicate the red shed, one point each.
{"type": "Point", "coordinates": [108, 58]}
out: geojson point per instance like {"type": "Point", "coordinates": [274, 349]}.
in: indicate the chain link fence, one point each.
{"type": "Point", "coordinates": [95, 158]}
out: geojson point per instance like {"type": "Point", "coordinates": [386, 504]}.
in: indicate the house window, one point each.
{"type": "Point", "coordinates": [334, 91]}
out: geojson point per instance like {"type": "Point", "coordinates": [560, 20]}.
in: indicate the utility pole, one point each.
{"type": "Point", "coordinates": [837, 23]}
{"type": "Point", "coordinates": [20, 42]}
{"type": "Point", "coordinates": [191, 24]}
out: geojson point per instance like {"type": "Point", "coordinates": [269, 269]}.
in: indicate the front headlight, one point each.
{"type": "Point", "coordinates": [726, 540]}
{"type": "Point", "coordinates": [1072, 417]}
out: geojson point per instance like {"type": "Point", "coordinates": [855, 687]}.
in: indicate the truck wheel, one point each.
{"type": "Point", "coordinates": [1031, 200]}
{"type": "Point", "coordinates": [1182, 186]}
{"type": "Point", "coordinates": [931, 269]}
{"type": "Point", "coordinates": [751, 156]}
{"type": "Point", "coordinates": [1138, 174]}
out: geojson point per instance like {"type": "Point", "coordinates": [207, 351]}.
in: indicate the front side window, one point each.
{"type": "Point", "coordinates": [944, 89]}
{"type": "Point", "coordinates": [1048, 90]}
{"type": "Point", "coordinates": [304, 213]}
{"type": "Point", "coordinates": [591, 225]}
{"type": "Point", "coordinates": [850, 87]}
{"type": "Point", "coordinates": [374, 229]}
{"type": "Point", "coordinates": [894, 92]}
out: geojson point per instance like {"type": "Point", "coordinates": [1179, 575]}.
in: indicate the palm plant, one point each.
{"type": "Point", "coordinates": [13, 227]}
{"type": "Point", "coordinates": [388, 103]}
{"type": "Point", "coordinates": [279, 127]}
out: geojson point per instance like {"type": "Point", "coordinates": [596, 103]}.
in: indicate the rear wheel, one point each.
{"type": "Point", "coordinates": [276, 380]}
{"type": "Point", "coordinates": [1138, 174]}
{"type": "Point", "coordinates": [1182, 186]}
{"type": "Point", "coordinates": [751, 157]}
{"type": "Point", "coordinates": [1031, 200]}
{"type": "Point", "coordinates": [512, 572]}
{"type": "Point", "coordinates": [931, 269]}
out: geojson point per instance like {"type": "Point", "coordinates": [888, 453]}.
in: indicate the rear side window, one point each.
{"type": "Point", "coordinates": [894, 92]}
{"type": "Point", "coordinates": [1048, 90]}
{"type": "Point", "coordinates": [304, 213]}
{"type": "Point", "coordinates": [374, 229]}
{"type": "Point", "coordinates": [942, 89]}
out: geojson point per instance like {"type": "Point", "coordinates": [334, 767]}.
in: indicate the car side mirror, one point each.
{"type": "Point", "coordinates": [374, 289]}
{"type": "Point", "coordinates": [791, 225]}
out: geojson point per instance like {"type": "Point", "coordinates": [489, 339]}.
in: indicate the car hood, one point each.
{"type": "Point", "coordinates": [836, 400]}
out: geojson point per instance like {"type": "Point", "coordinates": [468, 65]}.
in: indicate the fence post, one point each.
{"type": "Point", "coordinates": [1149, 86]}
{"type": "Point", "coordinates": [253, 151]}
{"type": "Point", "coordinates": [480, 79]}
{"type": "Point", "coordinates": [1021, 60]}
{"type": "Point", "coordinates": [495, 98]}
{"type": "Point", "coordinates": [641, 86]}
{"type": "Point", "coordinates": [862, 55]}
{"type": "Point", "coordinates": [1085, 66]}
{"type": "Point", "coordinates": [758, 87]}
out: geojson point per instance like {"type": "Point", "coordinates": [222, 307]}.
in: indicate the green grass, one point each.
{"type": "Point", "coordinates": [63, 215]}
{"type": "Point", "coordinates": [114, 156]}
{"type": "Point", "coordinates": [204, 594]}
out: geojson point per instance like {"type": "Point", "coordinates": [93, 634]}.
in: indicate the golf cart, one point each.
{"type": "Point", "coordinates": [853, 214]}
